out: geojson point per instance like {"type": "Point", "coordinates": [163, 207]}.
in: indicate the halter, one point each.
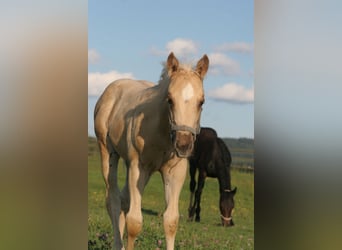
{"type": "Point", "coordinates": [223, 217]}
{"type": "Point", "coordinates": [226, 218]}
{"type": "Point", "coordinates": [175, 127]}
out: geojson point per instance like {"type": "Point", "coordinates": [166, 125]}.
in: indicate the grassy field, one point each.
{"type": "Point", "coordinates": [207, 234]}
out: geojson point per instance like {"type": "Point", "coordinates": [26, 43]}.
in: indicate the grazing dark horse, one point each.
{"type": "Point", "coordinates": [212, 159]}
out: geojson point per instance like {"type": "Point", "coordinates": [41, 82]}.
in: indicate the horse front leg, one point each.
{"type": "Point", "coordinates": [137, 180]}
{"type": "Point", "coordinates": [173, 178]}
{"type": "Point", "coordinates": [191, 209]}
{"type": "Point", "coordinates": [200, 185]}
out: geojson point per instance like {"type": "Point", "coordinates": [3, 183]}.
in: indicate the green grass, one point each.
{"type": "Point", "coordinates": [207, 234]}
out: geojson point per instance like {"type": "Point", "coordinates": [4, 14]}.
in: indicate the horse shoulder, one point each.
{"type": "Point", "coordinates": [153, 153]}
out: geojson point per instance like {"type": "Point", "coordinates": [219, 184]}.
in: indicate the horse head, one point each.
{"type": "Point", "coordinates": [226, 206]}
{"type": "Point", "coordinates": [185, 98]}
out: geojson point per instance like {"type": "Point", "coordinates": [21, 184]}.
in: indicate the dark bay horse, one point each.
{"type": "Point", "coordinates": [211, 158]}
{"type": "Point", "coordinates": [153, 128]}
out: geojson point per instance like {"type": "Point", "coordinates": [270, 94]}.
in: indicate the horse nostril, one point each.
{"type": "Point", "coordinates": [225, 224]}
{"type": "Point", "coordinates": [183, 143]}
{"type": "Point", "coordinates": [183, 150]}
{"type": "Point", "coordinates": [183, 147]}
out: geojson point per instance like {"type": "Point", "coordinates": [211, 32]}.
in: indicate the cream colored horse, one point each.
{"type": "Point", "coordinates": [153, 128]}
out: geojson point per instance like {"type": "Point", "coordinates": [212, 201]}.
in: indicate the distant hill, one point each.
{"type": "Point", "coordinates": [239, 143]}
{"type": "Point", "coordinates": [92, 146]}
{"type": "Point", "coordinates": [241, 149]}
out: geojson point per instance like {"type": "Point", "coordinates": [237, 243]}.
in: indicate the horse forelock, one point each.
{"type": "Point", "coordinates": [183, 68]}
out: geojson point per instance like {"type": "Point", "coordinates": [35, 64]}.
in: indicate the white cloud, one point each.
{"type": "Point", "coordinates": [239, 47]}
{"type": "Point", "coordinates": [220, 63]}
{"type": "Point", "coordinates": [180, 47]}
{"type": "Point", "coordinates": [233, 93]}
{"type": "Point", "coordinates": [93, 56]}
{"type": "Point", "coordinates": [157, 52]}
{"type": "Point", "coordinates": [97, 82]}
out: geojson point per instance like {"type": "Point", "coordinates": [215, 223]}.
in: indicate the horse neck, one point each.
{"type": "Point", "coordinates": [160, 95]}
{"type": "Point", "coordinates": [225, 163]}
{"type": "Point", "coordinates": [224, 179]}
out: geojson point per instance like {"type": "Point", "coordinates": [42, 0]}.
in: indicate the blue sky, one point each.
{"type": "Point", "coordinates": [132, 39]}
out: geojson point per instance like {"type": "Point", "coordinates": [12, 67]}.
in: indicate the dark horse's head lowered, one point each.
{"type": "Point", "coordinates": [185, 98]}
{"type": "Point", "coordinates": [227, 206]}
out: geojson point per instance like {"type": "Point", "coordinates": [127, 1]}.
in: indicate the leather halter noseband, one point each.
{"type": "Point", "coordinates": [226, 218]}
{"type": "Point", "coordinates": [175, 127]}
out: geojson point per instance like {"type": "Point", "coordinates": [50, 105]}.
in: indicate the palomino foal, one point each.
{"type": "Point", "coordinates": [153, 128]}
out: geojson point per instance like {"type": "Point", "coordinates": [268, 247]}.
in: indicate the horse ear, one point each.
{"type": "Point", "coordinates": [202, 66]}
{"type": "Point", "coordinates": [172, 64]}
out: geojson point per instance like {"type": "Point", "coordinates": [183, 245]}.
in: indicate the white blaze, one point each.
{"type": "Point", "coordinates": [187, 92]}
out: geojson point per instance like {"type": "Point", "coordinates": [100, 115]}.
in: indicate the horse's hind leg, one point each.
{"type": "Point", "coordinates": [109, 159]}
{"type": "Point", "coordinates": [124, 203]}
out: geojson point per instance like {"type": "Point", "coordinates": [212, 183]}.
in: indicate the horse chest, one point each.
{"type": "Point", "coordinates": [154, 157]}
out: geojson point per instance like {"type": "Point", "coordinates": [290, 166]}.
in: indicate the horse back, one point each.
{"type": "Point", "coordinates": [224, 151]}
{"type": "Point", "coordinates": [210, 153]}
{"type": "Point", "coordinates": [113, 105]}
{"type": "Point", "coordinates": [204, 145]}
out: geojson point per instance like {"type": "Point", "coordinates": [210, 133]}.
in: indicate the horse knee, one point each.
{"type": "Point", "coordinates": [198, 195]}
{"type": "Point", "coordinates": [134, 225]}
{"type": "Point", "coordinates": [171, 224]}
{"type": "Point", "coordinates": [172, 227]}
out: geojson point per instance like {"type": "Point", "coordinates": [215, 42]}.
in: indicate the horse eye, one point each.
{"type": "Point", "coordinates": [170, 102]}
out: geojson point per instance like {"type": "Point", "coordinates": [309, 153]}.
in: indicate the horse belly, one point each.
{"type": "Point", "coordinates": [211, 170]}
